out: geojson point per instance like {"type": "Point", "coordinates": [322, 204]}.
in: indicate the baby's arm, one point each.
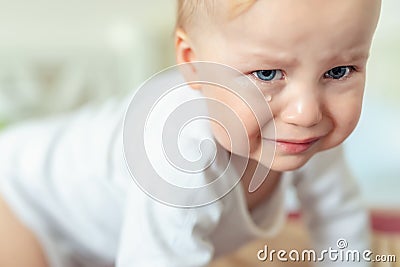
{"type": "Point", "coordinates": [54, 175]}
{"type": "Point", "coordinates": [332, 205]}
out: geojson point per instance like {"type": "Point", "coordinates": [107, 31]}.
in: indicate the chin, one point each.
{"type": "Point", "coordinates": [289, 162]}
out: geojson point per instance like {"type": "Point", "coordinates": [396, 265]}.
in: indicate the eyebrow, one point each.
{"type": "Point", "coordinates": [267, 60]}
{"type": "Point", "coordinates": [355, 55]}
{"type": "Point", "coordinates": [274, 59]}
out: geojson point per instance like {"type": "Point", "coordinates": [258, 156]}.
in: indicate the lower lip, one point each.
{"type": "Point", "coordinates": [293, 148]}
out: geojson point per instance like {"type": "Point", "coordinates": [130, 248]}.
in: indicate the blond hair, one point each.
{"type": "Point", "coordinates": [190, 10]}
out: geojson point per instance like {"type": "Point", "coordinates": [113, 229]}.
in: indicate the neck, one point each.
{"type": "Point", "coordinates": [267, 187]}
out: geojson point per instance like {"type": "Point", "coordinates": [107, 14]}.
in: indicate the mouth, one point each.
{"type": "Point", "coordinates": [294, 146]}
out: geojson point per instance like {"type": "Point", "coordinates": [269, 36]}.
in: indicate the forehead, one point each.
{"type": "Point", "coordinates": [287, 23]}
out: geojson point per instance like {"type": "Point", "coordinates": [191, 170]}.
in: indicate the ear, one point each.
{"type": "Point", "coordinates": [185, 54]}
{"type": "Point", "coordinates": [183, 47]}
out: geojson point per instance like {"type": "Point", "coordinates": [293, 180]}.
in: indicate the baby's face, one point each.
{"type": "Point", "coordinates": [309, 58]}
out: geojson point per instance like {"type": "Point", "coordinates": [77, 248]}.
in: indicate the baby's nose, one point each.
{"type": "Point", "coordinates": [302, 110]}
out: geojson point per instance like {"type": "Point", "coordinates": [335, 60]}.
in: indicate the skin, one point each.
{"type": "Point", "coordinates": [312, 110]}
{"type": "Point", "coordinates": [18, 245]}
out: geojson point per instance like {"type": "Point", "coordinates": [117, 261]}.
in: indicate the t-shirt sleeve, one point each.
{"type": "Point", "coordinates": [332, 205]}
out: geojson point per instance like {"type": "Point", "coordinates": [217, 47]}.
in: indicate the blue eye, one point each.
{"type": "Point", "coordinates": [268, 75]}
{"type": "Point", "coordinates": [338, 72]}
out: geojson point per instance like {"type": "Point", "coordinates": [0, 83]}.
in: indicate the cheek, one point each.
{"type": "Point", "coordinates": [233, 122]}
{"type": "Point", "coordinates": [346, 123]}
{"type": "Point", "coordinates": [238, 134]}
{"type": "Point", "coordinates": [345, 117]}
{"type": "Point", "coordinates": [221, 135]}
{"type": "Point", "coordinates": [229, 123]}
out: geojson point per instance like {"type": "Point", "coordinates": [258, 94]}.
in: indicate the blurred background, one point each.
{"type": "Point", "coordinates": [57, 55]}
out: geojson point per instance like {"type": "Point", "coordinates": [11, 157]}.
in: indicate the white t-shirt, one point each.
{"type": "Point", "coordinates": [66, 179]}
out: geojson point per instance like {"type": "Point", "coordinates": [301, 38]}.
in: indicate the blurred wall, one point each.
{"type": "Point", "coordinates": [374, 148]}
{"type": "Point", "coordinates": [56, 55]}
